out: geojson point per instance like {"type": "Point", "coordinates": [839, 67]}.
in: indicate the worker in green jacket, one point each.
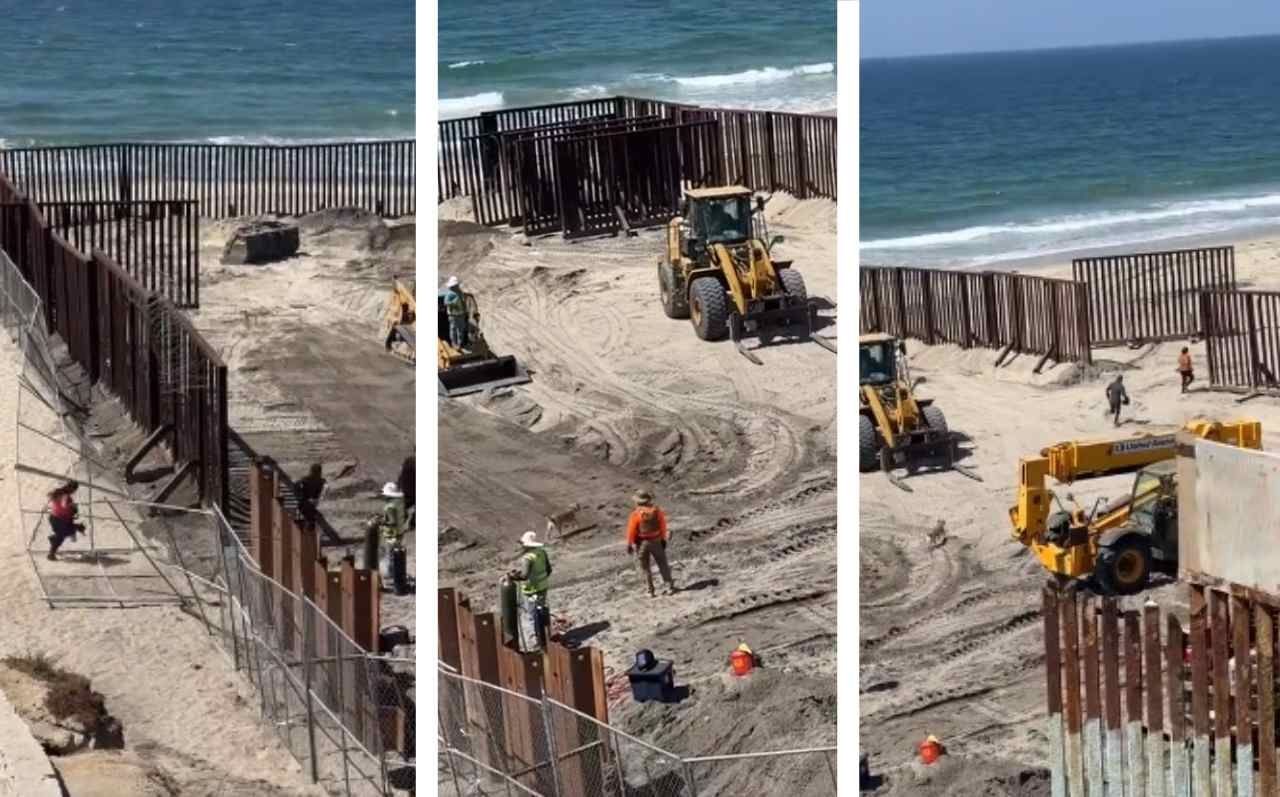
{"type": "Point", "coordinates": [393, 514]}
{"type": "Point", "coordinates": [535, 579]}
{"type": "Point", "coordinates": [455, 304]}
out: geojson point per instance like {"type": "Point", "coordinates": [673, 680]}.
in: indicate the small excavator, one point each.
{"type": "Point", "coordinates": [896, 429]}
{"type": "Point", "coordinates": [1116, 542]}
{"type": "Point", "coordinates": [720, 274]}
{"type": "Point", "coordinates": [471, 367]}
{"type": "Point", "coordinates": [399, 321]}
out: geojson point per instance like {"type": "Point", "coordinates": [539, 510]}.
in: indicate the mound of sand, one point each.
{"type": "Point", "coordinates": [980, 363]}
{"type": "Point", "coordinates": [110, 774]}
{"type": "Point", "coordinates": [457, 209]}
{"type": "Point", "coordinates": [810, 215]}
{"type": "Point", "coordinates": [959, 776]}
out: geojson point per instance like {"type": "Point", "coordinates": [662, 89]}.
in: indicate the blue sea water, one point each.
{"type": "Point", "coordinates": [508, 53]}
{"type": "Point", "coordinates": [187, 70]}
{"type": "Point", "coordinates": [973, 159]}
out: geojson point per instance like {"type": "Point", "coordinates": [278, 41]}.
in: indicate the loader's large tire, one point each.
{"type": "Point", "coordinates": [674, 302]}
{"type": "Point", "coordinates": [1124, 566]}
{"type": "Point", "coordinates": [868, 445]}
{"type": "Point", "coordinates": [793, 284]}
{"type": "Point", "coordinates": [934, 419]}
{"type": "Point", "coordinates": [708, 308]}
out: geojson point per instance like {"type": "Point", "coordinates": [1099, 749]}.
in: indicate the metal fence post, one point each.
{"type": "Point", "coordinates": [444, 742]}
{"type": "Point", "coordinates": [688, 776]}
{"type": "Point", "coordinates": [549, 729]}
{"type": "Point", "coordinates": [617, 763]}
{"type": "Point", "coordinates": [342, 726]}
{"type": "Point", "coordinates": [308, 645]}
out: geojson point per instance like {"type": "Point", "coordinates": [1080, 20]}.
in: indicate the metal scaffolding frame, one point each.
{"type": "Point", "coordinates": [43, 392]}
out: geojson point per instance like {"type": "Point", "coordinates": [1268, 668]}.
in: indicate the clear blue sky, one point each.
{"type": "Point", "coordinates": [920, 27]}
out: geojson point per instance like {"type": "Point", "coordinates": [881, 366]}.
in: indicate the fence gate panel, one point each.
{"type": "Point", "coordinates": [1152, 296]}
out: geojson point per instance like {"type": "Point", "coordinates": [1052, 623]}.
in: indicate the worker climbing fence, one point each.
{"type": "Point", "coordinates": [227, 180]}
{"type": "Point", "coordinates": [1141, 705]}
{"type": "Point", "coordinates": [1242, 339]}
{"type": "Point", "coordinates": [1017, 313]}
{"type": "Point", "coordinates": [1152, 296]}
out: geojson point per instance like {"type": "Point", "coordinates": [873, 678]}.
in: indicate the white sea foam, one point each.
{"type": "Point", "coordinates": [768, 74]}
{"type": "Point", "coordinates": [288, 141]}
{"type": "Point", "coordinates": [465, 64]}
{"type": "Point", "coordinates": [1074, 232]}
{"type": "Point", "coordinates": [584, 92]}
{"type": "Point", "coordinates": [472, 104]}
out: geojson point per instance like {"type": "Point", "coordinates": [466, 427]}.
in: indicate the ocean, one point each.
{"type": "Point", "coordinates": [974, 159]}
{"type": "Point", "coordinates": [509, 53]}
{"type": "Point", "coordinates": [183, 70]}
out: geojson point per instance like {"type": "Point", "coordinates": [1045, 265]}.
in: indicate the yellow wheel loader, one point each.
{"type": "Point", "coordinates": [896, 429]}
{"type": "Point", "coordinates": [472, 366]}
{"type": "Point", "coordinates": [1117, 543]}
{"type": "Point", "coordinates": [720, 274]}
{"type": "Point", "coordinates": [398, 321]}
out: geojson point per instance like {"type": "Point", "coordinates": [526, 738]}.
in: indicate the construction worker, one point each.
{"type": "Point", "coordinates": [455, 304]}
{"type": "Point", "coordinates": [312, 487]}
{"type": "Point", "coordinates": [1184, 368]}
{"type": "Point", "coordinates": [647, 537]}
{"type": "Point", "coordinates": [405, 481]}
{"type": "Point", "coordinates": [535, 579]}
{"type": "Point", "coordinates": [1116, 396]}
{"type": "Point", "coordinates": [392, 526]}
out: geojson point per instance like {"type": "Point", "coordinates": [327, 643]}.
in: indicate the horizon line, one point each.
{"type": "Point", "coordinates": [1061, 47]}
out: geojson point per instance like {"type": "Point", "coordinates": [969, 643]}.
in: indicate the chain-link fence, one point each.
{"type": "Point", "coordinates": [345, 714]}
{"type": "Point", "coordinates": [19, 304]}
{"type": "Point", "coordinates": [495, 741]}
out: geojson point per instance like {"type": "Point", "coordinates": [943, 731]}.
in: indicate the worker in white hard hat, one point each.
{"type": "Point", "coordinates": [455, 304]}
{"type": "Point", "coordinates": [535, 580]}
{"type": "Point", "coordinates": [393, 514]}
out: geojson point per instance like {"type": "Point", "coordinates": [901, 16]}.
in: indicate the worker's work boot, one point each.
{"type": "Point", "coordinates": [671, 589]}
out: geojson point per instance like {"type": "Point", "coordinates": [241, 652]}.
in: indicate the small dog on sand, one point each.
{"type": "Point", "coordinates": [937, 535]}
{"type": "Point", "coordinates": [560, 522]}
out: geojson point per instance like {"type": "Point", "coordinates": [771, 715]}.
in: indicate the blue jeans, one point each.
{"type": "Point", "coordinates": [458, 331]}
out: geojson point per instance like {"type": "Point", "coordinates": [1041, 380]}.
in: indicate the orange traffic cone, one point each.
{"type": "Point", "coordinates": [931, 749]}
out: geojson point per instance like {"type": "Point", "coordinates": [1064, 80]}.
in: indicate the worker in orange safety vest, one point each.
{"type": "Point", "coordinates": [647, 537]}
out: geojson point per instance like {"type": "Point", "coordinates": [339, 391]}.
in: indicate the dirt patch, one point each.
{"type": "Point", "coordinates": [740, 456]}
{"type": "Point", "coordinates": [65, 714]}
{"type": "Point", "coordinates": [951, 643]}
{"type": "Point", "coordinates": [956, 776]}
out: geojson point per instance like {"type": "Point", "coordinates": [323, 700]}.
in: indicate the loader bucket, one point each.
{"type": "Point", "coordinates": [474, 377]}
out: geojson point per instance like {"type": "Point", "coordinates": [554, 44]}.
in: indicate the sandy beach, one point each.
{"type": "Point", "coordinates": [201, 730]}
{"type": "Point", "coordinates": [950, 637]}
{"type": "Point", "coordinates": [289, 332]}
{"type": "Point", "coordinates": [740, 456]}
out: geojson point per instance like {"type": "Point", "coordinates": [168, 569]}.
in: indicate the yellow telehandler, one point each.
{"type": "Point", "coordinates": [1116, 542]}
{"type": "Point", "coordinates": [720, 274]}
